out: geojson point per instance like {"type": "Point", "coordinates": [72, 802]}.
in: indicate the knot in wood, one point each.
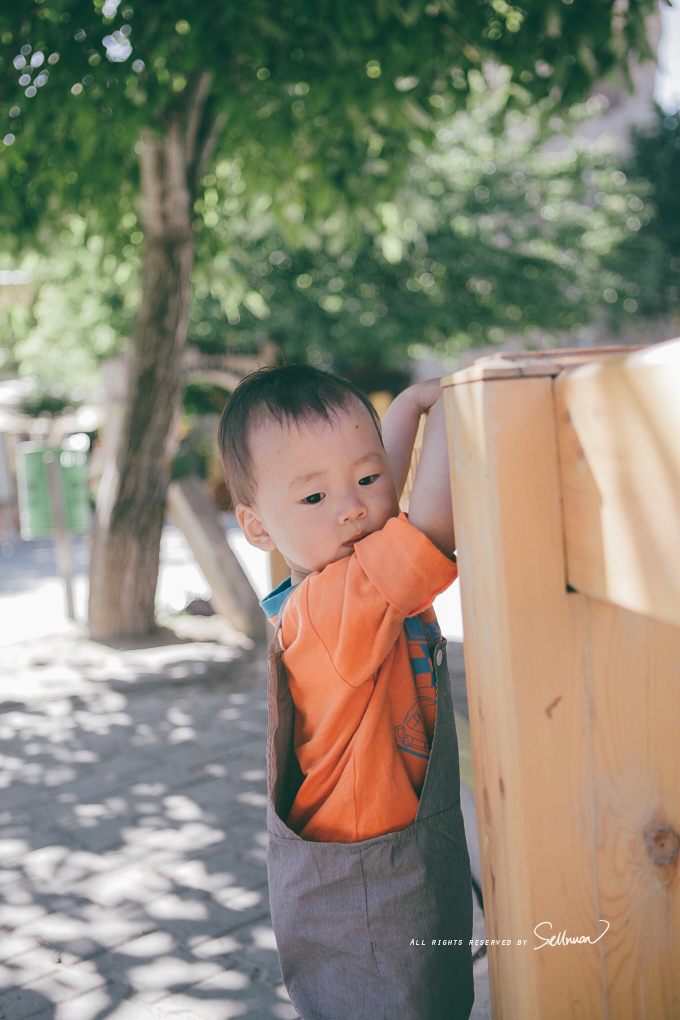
{"type": "Point", "coordinates": [663, 844]}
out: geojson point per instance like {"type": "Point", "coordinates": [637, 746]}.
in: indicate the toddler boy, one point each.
{"type": "Point", "coordinates": [368, 870]}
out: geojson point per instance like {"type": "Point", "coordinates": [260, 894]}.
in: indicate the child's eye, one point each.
{"type": "Point", "coordinates": [368, 480]}
{"type": "Point", "coordinates": [316, 498]}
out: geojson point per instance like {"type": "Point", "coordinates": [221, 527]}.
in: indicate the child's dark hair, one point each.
{"type": "Point", "coordinates": [292, 393]}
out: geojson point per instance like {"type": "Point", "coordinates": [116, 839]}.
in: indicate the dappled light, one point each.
{"type": "Point", "coordinates": [133, 838]}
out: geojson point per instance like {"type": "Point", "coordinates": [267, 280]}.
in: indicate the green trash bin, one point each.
{"type": "Point", "coordinates": [33, 490]}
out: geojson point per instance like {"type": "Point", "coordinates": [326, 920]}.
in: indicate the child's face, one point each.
{"type": "Point", "coordinates": [320, 487]}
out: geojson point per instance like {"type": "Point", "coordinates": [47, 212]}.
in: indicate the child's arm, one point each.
{"type": "Point", "coordinates": [400, 426]}
{"type": "Point", "coordinates": [354, 609]}
{"type": "Point", "coordinates": [430, 503]}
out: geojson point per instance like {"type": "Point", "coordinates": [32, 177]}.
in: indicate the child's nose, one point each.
{"type": "Point", "coordinates": [352, 510]}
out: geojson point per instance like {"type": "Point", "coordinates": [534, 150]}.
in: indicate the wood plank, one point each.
{"type": "Point", "coordinates": [193, 511]}
{"type": "Point", "coordinates": [278, 568]}
{"type": "Point", "coordinates": [524, 656]}
{"type": "Point", "coordinates": [634, 671]}
{"type": "Point", "coordinates": [530, 363]}
{"type": "Point", "coordinates": [405, 495]}
{"type": "Point", "coordinates": [619, 437]}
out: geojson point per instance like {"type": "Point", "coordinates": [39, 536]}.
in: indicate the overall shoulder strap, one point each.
{"type": "Point", "coordinates": [279, 616]}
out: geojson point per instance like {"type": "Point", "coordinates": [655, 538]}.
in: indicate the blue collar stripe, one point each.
{"type": "Point", "coordinates": [272, 603]}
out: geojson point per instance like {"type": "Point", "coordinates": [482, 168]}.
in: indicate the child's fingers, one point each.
{"type": "Point", "coordinates": [429, 392]}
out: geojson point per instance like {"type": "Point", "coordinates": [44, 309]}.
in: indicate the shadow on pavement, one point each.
{"type": "Point", "coordinates": [133, 831]}
{"type": "Point", "coordinates": [133, 834]}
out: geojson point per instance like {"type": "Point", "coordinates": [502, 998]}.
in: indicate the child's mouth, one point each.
{"type": "Point", "coordinates": [357, 538]}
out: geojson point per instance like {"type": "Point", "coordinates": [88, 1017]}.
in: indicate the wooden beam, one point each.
{"type": "Point", "coordinates": [530, 363]}
{"type": "Point", "coordinates": [193, 511]}
{"type": "Point", "coordinates": [405, 496]}
{"type": "Point", "coordinates": [618, 428]}
{"type": "Point", "coordinates": [573, 700]}
{"type": "Point", "coordinates": [631, 712]}
{"type": "Point", "coordinates": [278, 568]}
{"type": "Point", "coordinates": [523, 658]}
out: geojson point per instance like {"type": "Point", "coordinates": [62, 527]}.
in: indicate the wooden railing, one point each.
{"type": "Point", "coordinates": [565, 473]}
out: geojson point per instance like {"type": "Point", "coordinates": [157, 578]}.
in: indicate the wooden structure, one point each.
{"type": "Point", "coordinates": [192, 510]}
{"type": "Point", "coordinates": [565, 472]}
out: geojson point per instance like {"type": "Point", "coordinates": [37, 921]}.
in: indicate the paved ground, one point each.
{"type": "Point", "coordinates": [133, 837]}
{"type": "Point", "coordinates": [24, 565]}
{"type": "Point", "coordinates": [133, 832]}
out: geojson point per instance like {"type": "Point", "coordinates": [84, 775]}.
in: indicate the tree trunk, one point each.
{"type": "Point", "coordinates": [131, 506]}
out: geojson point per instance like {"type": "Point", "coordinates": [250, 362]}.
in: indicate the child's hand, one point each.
{"type": "Point", "coordinates": [425, 394]}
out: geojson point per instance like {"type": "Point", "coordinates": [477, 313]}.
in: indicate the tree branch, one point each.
{"type": "Point", "coordinates": [195, 114]}
{"type": "Point", "coordinates": [152, 210]}
{"type": "Point", "coordinates": [176, 199]}
{"type": "Point", "coordinates": [207, 147]}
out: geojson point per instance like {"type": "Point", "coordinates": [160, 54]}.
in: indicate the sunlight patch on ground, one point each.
{"type": "Point", "coordinates": [127, 911]}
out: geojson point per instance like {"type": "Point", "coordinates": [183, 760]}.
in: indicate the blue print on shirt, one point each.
{"type": "Point", "coordinates": [410, 735]}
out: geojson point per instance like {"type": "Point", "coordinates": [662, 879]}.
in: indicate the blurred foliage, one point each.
{"type": "Point", "coordinates": [490, 234]}
{"type": "Point", "coordinates": [203, 398]}
{"type": "Point", "coordinates": [15, 322]}
{"type": "Point", "coordinates": [83, 310]}
{"type": "Point", "coordinates": [47, 403]}
{"type": "Point", "coordinates": [317, 99]}
{"type": "Point", "coordinates": [372, 193]}
{"type": "Point", "coordinates": [650, 257]}
{"type": "Point", "coordinates": [197, 448]}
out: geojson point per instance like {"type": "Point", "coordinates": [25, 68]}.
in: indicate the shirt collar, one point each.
{"type": "Point", "coordinates": [272, 602]}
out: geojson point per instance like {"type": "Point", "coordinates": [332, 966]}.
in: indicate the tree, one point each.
{"type": "Point", "coordinates": [319, 100]}
{"type": "Point", "coordinates": [84, 302]}
{"type": "Point", "coordinates": [490, 234]}
{"type": "Point", "coordinates": [547, 232]}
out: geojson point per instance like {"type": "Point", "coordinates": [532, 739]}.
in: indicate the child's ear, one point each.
{"type": "Point", "coordinates": [253, 529]}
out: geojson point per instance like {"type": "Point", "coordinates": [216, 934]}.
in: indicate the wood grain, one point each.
{"type": "Point", "coordinates": [530, 363]}
{"type": "Point", "coordinates": [524, 659]}
{"type": "Point", "coordinates": [413, 467]}
{"type": "Point", "coordinates": [634, 680]}
{"type": "Point", "coordinates": [574, 700]}
{"type": "Point", "coordinates": [619, 437]}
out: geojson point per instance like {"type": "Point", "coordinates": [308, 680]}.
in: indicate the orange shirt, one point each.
{"type": "Point", "coordinates": [364, 718]}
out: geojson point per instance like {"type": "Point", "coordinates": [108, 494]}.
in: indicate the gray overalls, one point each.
{"type": "Point", "coordinates": [355, 922]}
